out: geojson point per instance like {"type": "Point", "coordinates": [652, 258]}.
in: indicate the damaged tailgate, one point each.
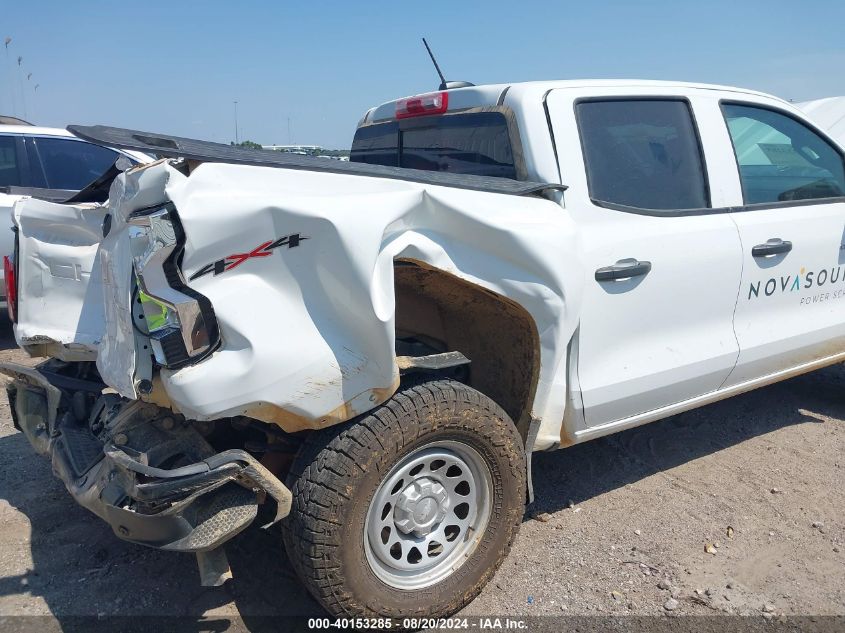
{"type": "Point", "coordinates": [60, 296]}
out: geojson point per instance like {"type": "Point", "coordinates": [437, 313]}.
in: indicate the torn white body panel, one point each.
{"type": "Point", "coordinates": [60, 310]}
{"type": "Point", "coordinates": [307, 333]}
{"type": "Point", "coordinates": [138, 189]}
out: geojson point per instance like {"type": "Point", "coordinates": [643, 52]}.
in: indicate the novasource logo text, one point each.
{"type": "Point", "coordinates": [804, 280]}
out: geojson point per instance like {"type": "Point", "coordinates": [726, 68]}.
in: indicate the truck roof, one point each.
{"type": "Point", "coordinates": [624, 83]}
{"type": "Point", "coordinates": [491, 94]}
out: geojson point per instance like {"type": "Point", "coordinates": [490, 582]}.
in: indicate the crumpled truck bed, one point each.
{"type": "Point", "coordinates": [307, 329]}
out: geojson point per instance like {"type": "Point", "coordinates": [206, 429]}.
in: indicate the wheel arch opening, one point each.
{"type": "Point", "coordinates": [498, 335]}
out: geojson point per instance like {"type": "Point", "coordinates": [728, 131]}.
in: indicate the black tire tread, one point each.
{"type": "Point", "coordinates": [322, 476]}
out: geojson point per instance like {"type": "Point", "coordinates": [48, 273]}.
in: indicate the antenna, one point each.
{"type": "Point", "coordinates": [436, 66]}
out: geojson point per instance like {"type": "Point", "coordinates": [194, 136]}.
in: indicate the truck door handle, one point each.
{"type": "Point", "coordinates": [774, 246]}
{"type": "Point", "coordinates": [623, 269]}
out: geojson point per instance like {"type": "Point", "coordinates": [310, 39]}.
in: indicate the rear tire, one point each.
{"type": "Point", "coordinates": [378, 529]}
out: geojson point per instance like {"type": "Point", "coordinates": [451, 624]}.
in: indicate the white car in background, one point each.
{"type": "Point", "coordinates": [47, 163]}
{"type": "Point", "coordinates": [828, 113]}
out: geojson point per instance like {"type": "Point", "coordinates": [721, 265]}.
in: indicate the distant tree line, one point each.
{"type": "Point", "coordinates": [334, 153]}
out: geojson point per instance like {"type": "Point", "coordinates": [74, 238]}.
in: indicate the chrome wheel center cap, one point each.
{"type": "Point", "coordinates": [421, 506]}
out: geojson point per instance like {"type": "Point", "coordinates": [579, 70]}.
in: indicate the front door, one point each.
{"type": "Point", "coordinates": [791, 308]}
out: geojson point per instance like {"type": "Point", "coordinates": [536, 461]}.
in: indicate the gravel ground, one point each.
{"type": "Point", "coordinates": [734, 508]}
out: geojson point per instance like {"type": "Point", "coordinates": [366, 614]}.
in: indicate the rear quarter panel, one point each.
{"type": "Point", "coordinates": [308, 332]}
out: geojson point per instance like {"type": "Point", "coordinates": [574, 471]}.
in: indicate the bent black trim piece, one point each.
{"type": "Point", "coordinates": [69, 383]}
{"type": "Point", "coordinates": [179, 147]}
{"type": "Point", "coordinates": [250, 471]}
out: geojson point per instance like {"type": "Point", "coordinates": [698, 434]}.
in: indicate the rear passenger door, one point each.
{"type": "Point", "coordinates": [791, 219]}
{"type": "Point", "coordinates": [663, 268]}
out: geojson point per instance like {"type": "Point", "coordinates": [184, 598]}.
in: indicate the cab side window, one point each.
{"type": "Point", "coordinates": [72, 165]}
{"type": "Point", "coordinates": [10, 169]}
{"type": "Point", "coordinates": [642, 153]}
{"type": "Point", "coordinates": [780, 159]}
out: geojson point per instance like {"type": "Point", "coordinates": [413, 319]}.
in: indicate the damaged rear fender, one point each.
{"type": "Point", "coordinates": [299, 268]}
{"type": "Point", "coordinates": [308, 329]}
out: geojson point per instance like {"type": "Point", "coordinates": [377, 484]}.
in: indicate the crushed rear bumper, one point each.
{"type": "Point", "coordinates": [127, 464]}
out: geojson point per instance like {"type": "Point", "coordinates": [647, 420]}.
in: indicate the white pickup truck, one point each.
{"type": "Point", "coordinates": [370, 351]}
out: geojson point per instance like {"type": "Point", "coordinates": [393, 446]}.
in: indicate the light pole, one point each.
{"type": "Point", "coordinates": [236, 124]}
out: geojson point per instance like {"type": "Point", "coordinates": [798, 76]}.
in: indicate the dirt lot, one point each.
{"type": "Point", "coordinates": [619, 526]}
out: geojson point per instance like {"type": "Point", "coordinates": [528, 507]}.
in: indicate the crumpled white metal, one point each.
{"type": "Point", "coordinates": [308, 332]}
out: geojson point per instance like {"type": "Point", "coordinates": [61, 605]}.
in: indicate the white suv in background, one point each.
{"type": "Point", "coordinates": [48, 163]}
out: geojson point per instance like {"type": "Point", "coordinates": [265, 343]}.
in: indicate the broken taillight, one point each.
{"type": "Point", "coordinates": [422, 105]}
{"type": "Point", "coordinates": [179, 321]}
{"type": "Point", "coordinates": [11, 287]}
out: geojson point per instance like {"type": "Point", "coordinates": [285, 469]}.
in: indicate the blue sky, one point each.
{"type": "Point", "coordinates": [177, 67]}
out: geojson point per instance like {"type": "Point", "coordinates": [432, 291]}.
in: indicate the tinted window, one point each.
{"type": "Point", "coordinates": [781, 159]}
{"type": "Point", "coordinates": [475, 143]}
{"type": "Point", "coordinates": [10, 173]}
{"type": "Point", "coordinates": [376, 145]}
{"type": "Point", "coordinates": [70, 164]}
{"type": "Point", "coordinates": [642, 153]}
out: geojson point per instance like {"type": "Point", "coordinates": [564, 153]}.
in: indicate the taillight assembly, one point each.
{"type": "Point", "coordinates": [422, 105]}
{"type": "Point", "coordinates": [181, 323]}
{"type": "Point", "coordinates": [11, 280]}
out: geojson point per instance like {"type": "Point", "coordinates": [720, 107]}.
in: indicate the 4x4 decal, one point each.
{"type": "Point", "coordinates": [263, 250]}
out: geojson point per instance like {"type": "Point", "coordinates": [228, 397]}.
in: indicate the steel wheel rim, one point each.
{"type": "Point", "coordinates": [422, 523]}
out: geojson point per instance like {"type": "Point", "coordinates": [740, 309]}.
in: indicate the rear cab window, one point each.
{"type": "Point", "coordinates": [477, 143]}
